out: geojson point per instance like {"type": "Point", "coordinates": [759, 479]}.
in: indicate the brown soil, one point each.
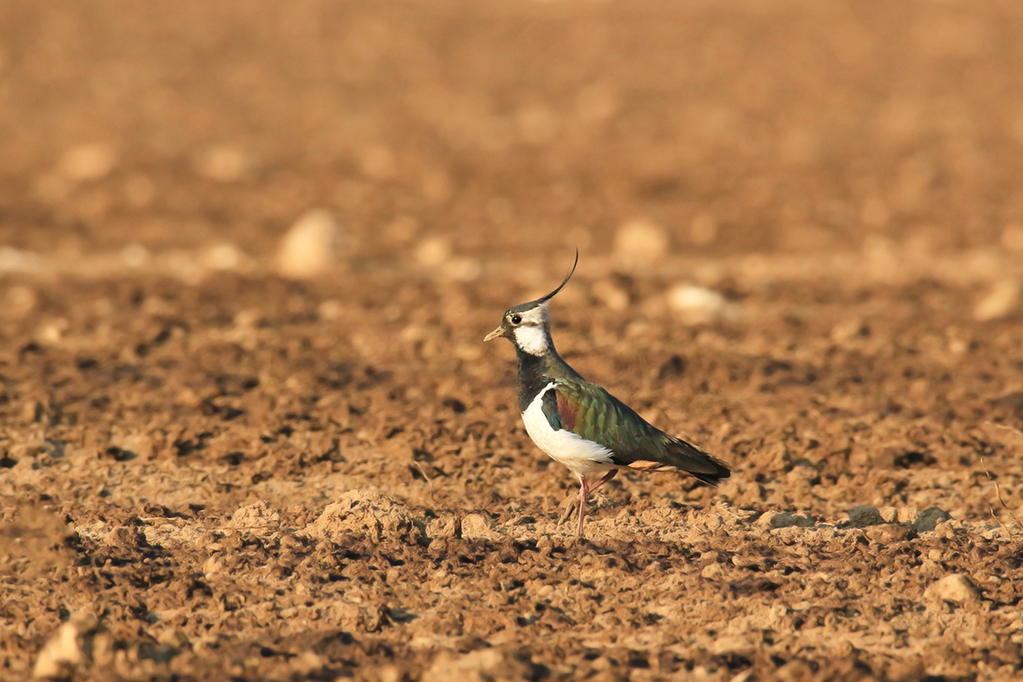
{"type": "Point", "coordinates": [208, 471]}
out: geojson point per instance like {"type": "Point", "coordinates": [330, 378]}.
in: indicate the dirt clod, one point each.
{"type": "Point", "coordinates": [955, 588]}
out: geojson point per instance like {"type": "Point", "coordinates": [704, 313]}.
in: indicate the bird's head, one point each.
{"type": "Point", "coordinates": [527, 325]}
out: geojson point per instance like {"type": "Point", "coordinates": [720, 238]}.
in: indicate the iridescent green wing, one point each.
{"type": "Point", "coordinates": [590, 412]}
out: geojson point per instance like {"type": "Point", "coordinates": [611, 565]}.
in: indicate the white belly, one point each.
{"type": "Point", "coordinates": [582, 457]}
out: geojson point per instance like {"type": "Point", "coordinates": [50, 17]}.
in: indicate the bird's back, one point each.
{"type": "Point", "coordinates": [591, 412]}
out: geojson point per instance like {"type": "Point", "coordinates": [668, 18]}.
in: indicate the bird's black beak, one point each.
{"type": "Point", "coordinates": [496, 334]}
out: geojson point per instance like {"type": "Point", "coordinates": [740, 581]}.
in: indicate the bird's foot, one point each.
{"type": "Point", "coordinates": [567, 510]}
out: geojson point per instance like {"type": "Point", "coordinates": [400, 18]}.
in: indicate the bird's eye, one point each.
{"type": "Point", "coordinates": [516, 319]}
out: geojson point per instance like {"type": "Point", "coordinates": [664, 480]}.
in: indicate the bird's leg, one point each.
{"type": "Point", "coordinates": [607, 477]}
{"type": "Point", "coordinates": [583, 490]}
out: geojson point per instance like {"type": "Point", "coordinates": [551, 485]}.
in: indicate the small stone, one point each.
{"type": "Point", "coordinates": [956, 588]}
{"type": "Point", "coordinates": [52, 331]}
{"type": "Point", "coordinates": [1004, 298]}
{"type": "Point", "coordinates": [63, 651]}
{"type": "Point", "coordinates": [247, 319]}
{"type": "Point", "coordinates": [389, 673]}
{"type": "Point", "coordinates": [222, 257]}
{"type": "Point", "coordinates": [433, 252]}
{"type": "Point", "coordinates": [486, 664]}
{"type": "Point", "coordinates": [87, 162]}
{"type": "Point", "coordinates": [212, 566]}
{"type": "Point", "coordinates": [310, 247]}
{"type": "Point", "coordinates": [17, 260]}
{"type": "Point", "coordinates": [696, 304]}
{"type": "Point", "coordinates": [641, 241]}
{"type": "Point", "coordinates": [475, 527]}
{"type": "Point", "coordinates": [222, 163]}
{"type": "Point", "coordinates": [850, 331]}
{"type": "Point", "coordinates": [712, 571]}
{"type": "Point", "coordinates": [787, 520]}
{"type": "Point", "coordinates": [929, 519]}
{"type": "Point", "coordinates": [862, 517]}
{"type": "Point", "coordinates": [463, 270]}
{"type": "Point", "coordinates": [331, 309]}
{"type": "Point", "coordinates": [135, 255]}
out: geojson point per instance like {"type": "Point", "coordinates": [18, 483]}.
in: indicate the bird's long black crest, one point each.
{"type": "Point", "coordinates": [562, 285]}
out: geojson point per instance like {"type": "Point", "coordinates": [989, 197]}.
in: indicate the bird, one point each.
{"type": "Point", "coordinates": [578, 423]}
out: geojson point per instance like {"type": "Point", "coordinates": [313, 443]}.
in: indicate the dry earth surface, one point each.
{"type": "Point", "coordinates": [230, 454]}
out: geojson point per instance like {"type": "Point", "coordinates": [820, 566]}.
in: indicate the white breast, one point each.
{"type": "Point", "coordinates": [582, 457]}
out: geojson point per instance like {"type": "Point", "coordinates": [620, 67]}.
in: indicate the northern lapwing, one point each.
{"type": "Point", "coordinates": [578, 423]}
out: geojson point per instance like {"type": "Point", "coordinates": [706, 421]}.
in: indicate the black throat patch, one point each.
{"type": "Point", "coordinates": [532, 377]}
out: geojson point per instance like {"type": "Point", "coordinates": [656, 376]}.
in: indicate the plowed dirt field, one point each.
{"type": "Point", "coordinates": [228, 456]}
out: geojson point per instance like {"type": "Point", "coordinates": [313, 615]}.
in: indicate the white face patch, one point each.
{"type": "Point", "coordinates": [531, 339]}
{"type": "Point", "coordinates": [531, 333]}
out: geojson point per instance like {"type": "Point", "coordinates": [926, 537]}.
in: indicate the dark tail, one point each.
{"type": "Point", "coordinates": [692, 460]}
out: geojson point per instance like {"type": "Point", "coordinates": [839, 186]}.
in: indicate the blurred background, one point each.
{"type": "Point", "coordinates": [192, 136]}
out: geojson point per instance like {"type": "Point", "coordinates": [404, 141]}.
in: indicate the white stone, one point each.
{"type": "Point", "coordinates": [135, 255]}
{"type": "Point", "coordinates": [52, 331]}
{"type": "Point", "coordinates": [433, 252]}
{"type": "Point", "coordinates": [1002, 299]}
{"type": "Point", "coordinates": [331, 309]}
{"type": "Point", "coordinates": [222, 163]}
{"type": "Point", "coordinates": [482, 664]}
{"type": "Point", "coordinates": [641, 241]}
{"type": "Point", "coordinates": [712, 571]}
{"type": "Point", "coordinates": [463, 269]}
{"type": "Point", "coordinates": [696, 304]}
{"type": "Point", "coordinates": [222, 257]}
{"type": "Point", "coordinates": [63, 650]}
{"type": "Point", "coordinates": [311, 246]}
{"type": "Point", "coordinates": [954, 588]}
{"type": "Point", "coordinates": [16, 260]}
{"type": "Point", "coordinates": [87, 162]}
